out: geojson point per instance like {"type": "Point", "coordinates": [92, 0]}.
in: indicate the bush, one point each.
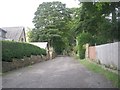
{"type": "Point", "coordinates": [18, 50]}
{"type": "Point", "coordinates": [58, 45]}
{"type": "Point", "coordinates": [81, 52]}
{"type": "Point", "coordinates": [84, 38]}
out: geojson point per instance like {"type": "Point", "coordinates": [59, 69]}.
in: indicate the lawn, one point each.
{"type": "Point", "coordinates": [98, 69]}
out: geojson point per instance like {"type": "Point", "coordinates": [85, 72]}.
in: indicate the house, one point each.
{"type": "Point", "coordinates": [2, 34]}
{"type": "Point", "coordinates": [15, 34]}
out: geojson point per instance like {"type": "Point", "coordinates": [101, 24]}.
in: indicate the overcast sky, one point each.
{"type": "Point", "coordinates": [21, 12]}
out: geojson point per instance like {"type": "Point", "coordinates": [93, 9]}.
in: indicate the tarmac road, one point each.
{"type": "Point", "coordinates": [61, 72]}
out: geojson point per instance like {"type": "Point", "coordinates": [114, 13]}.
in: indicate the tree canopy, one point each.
{"type": "Point", "coordinates": [50, 23]}
{"type": "Point", "coordinates": [95, 19]}
{"type": "Point", "coordinates": [92, 22]}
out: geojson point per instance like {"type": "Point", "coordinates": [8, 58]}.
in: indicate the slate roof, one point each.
{"type": "Point", "coordinates": [13, 33]}
{"type": "Point", "coordinates": [3, 30]}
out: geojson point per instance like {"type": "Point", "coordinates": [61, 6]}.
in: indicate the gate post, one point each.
{"type": "Point", "coordinates": [87, 51]}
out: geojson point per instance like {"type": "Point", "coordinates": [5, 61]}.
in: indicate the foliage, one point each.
{"type": "Point", "coordinates": [81, 51]}
{"type": "Point", "coordinates": [94, 20]}
{"type": "Point", "coordinates": [18, 50]}
{"type": "Point", "coordinates": [58, 45]}
{"type": "Point", "coordinates": [60, 26]}
{"type": "Point", "coordinates": [82, 39]}
{"type": "Point", "coordinates": [51, 25]}
{"type": "Point", "coordinates": [51, 13]}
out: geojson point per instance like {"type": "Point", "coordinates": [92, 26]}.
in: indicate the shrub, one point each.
{"type": "Point", "coordinates": [82, 39]}
{"type": "Point", "coordinates": [58, 45]}
{"type": "Point", "coordinates": [18, 50]}
{"type": "Point", "coordinates": [81, 52]}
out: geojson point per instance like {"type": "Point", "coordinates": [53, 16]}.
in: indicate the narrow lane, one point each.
{"type": "Point", "coordinates": [61, 72]}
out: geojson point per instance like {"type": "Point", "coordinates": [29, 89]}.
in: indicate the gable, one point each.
{"type": "Point", "coordinates": [13, 33]}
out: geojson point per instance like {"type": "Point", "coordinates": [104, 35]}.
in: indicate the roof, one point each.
{"type": "Point", "coordinates": [40, 44]}
{"type": "Point", "coordinates": [2, 30]}
{"type": "Point", "coordinates": [13, 32]}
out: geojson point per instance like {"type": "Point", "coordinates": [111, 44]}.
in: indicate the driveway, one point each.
{"type": "Point", "coordinates": [61, 72]}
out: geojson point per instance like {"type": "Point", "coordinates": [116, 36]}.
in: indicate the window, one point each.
{"type": "Point", "coordinates": [0, 34]}
{"type": "Point", "coordinates": [22, 39]}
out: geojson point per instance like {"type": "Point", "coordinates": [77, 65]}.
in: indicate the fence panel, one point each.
{"type": "Point", "coordinates": [108, 54]}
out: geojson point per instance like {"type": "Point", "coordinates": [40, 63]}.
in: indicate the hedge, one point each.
{"type": "Point", "coordinates": [18, 50]}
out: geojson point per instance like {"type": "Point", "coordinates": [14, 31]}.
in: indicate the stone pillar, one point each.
{"type": "Point", "coordinates": [76, 47]}
{"type": "Point", "coordinates": [51, 52]}
{"type": "Point", "coordinates": [87, 51]}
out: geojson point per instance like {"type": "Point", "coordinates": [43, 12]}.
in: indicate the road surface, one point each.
{"type": "Point", "coordinates": [61, 72]}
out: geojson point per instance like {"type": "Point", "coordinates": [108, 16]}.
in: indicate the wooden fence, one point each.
{"type": "Point", "coordinates": [107, 54]}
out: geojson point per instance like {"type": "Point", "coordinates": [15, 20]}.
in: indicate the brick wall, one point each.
{"type": "Point", "coordinates": [92, 52]}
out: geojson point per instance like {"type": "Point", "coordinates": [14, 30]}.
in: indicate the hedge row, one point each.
{"type": "Point", "coordinates": [18, 50]}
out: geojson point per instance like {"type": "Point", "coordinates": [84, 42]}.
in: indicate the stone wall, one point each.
{"type": "Point", "coordinates": [18, 63]}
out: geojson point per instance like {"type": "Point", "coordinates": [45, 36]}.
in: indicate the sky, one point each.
{"type": "Point", "coordinates": [21, 12]}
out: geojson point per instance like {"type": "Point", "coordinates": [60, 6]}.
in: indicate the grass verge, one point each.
{"type": "Point", "coordinates": [98, 69]}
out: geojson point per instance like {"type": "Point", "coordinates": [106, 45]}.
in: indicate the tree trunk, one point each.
{"type": "Point", "coordinates": [114, 22]}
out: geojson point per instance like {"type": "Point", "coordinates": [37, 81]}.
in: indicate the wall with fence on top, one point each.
{"type": "Point", "coordinates": [107, 54]}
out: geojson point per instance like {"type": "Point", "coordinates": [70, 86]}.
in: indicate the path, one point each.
{"type": "Point", "coordinates": [61, 72]}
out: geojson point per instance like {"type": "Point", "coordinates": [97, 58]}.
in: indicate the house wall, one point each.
{"type": "Point", "coordinates": [2, 35]}
{"type": "Point", "coordinates": [22, 37]}
{"type": "Point", "coordinates": [1, 38]}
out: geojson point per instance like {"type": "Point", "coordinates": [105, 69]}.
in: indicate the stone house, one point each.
{"type": "Point", "coordinates": [2, 34]}
{"type": "Point", "coordinates": [14, 34]}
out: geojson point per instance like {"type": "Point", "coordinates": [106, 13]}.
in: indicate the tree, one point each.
{"type": "Point", "coordinates": [93, 19]}
{"type": "Point", "coordinates": [94, 25]}
{"type": "Point", "coordinates": [111, 8]}
{"type": "Point", "coordinates": [82, 39]}
{"type": "Point", "coordinates": [51, 13]}
{"type": "Point", "coordinates": [50, 23]}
